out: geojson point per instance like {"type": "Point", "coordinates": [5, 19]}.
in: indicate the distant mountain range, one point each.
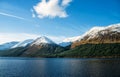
{"type": "Point", "coordinates": [69, 41]}
{"type": "Point", "coordinates": [97, 42]}
{"type": "Point", "coordinates": [8, 45]}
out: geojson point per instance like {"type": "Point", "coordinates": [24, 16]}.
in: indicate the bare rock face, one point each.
{"type": "Point", "coordinates": [98, 35]}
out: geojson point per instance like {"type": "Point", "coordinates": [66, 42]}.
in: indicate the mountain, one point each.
{"type": "Point", "coordinates": [42, 41]}
{"type": "Point", "coordinates": [97, 42]}
{"type": "Point", "coordinates": [105, 50]}
{"type": "Point", "coordinates": [8, 45]}
{"type": "Point", "coordinates": [98, 35]}
{"type": "Point", "coordinates": [100, 42]}
{"type": "Point", "coordinates": [23, 43]}
{"type": "Point", "coordinates": [69, 41]}
{"type": "Point", "coordinates": [42, 46]}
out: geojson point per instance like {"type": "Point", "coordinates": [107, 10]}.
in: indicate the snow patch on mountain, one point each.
{"type": "Point", "coordinates": [23, 43]}
{"type": "Point", "coordinates": [72, 39]}
{"type": "Point", "coordinates": [8, 45]}
{"type": "Point", "coordinates": [68, 41]}
{"type": "Point", "coordinates": [114, 27]}
{"type": "Point", "coordinates": [94, 32]}
{"type": "Point", "coordinates": [42, 40]}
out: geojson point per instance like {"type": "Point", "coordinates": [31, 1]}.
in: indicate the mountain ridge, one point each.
{"type": "Point", "coordinates": [96, 35]}
{"type": "Point", "coordinates": [23, 43]}
{"type": "Point", "coordinates": [8, 45]}
{"type": "Point", "coordinates": [97, 42]}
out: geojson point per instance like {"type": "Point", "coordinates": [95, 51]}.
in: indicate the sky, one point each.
{"type": "Point", "coordinates": [56, 19]}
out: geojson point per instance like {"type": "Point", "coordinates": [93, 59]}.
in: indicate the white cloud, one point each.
{"type": "Point", "coordinates": [51, 8]}
{"type": "Point", "coordinates": [66, 2]}
{"type": "Point", "coordinates": [8, 37]}
{"type": "Point", "coordinates": [33, 14]}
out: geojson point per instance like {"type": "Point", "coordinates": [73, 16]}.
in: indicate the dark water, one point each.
{"type": "Point", "coordinates": [59, 67]}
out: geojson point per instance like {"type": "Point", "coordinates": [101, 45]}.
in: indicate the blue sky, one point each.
{"type": "Point", "coordinates": [57, 19]}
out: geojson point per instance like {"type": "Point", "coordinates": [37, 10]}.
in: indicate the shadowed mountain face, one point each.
{"type": "Point", "coordinates": [37, 50]}
{"type": "Point", "coordinates": [41, 44]}
{"type": "Point", "coordinates": [41, 47]}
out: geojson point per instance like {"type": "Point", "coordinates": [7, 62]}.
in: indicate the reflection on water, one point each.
{"type": "Point", "coordinates": [59, 67]}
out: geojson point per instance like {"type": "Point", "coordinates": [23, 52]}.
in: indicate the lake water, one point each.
{"type": "Point", "coordinates": [59, 67]}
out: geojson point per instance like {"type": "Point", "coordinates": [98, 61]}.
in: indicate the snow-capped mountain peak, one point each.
{"type": "Point", "coordinates": [114, 27]}
{"type": "Point", "coordinates": [42, 40]}
{"type": "Point", "coordinates": [23, 43]}
{"type": "Point", "coordinates": [108, 34]}
{"type": "Point", "coordinates": [93, 32]}
{"type": "Point", "coordinates": [96, 31]}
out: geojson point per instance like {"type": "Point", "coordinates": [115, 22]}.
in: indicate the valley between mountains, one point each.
{"type": "Point", "coordinates": [100, 42]}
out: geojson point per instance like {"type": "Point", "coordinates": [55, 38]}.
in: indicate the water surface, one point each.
{"type": "Point", "coordinates": [59, 67]}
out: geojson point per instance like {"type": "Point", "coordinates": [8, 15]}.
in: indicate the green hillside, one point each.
{"type": "Point", "coordinates": [93, 50]}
